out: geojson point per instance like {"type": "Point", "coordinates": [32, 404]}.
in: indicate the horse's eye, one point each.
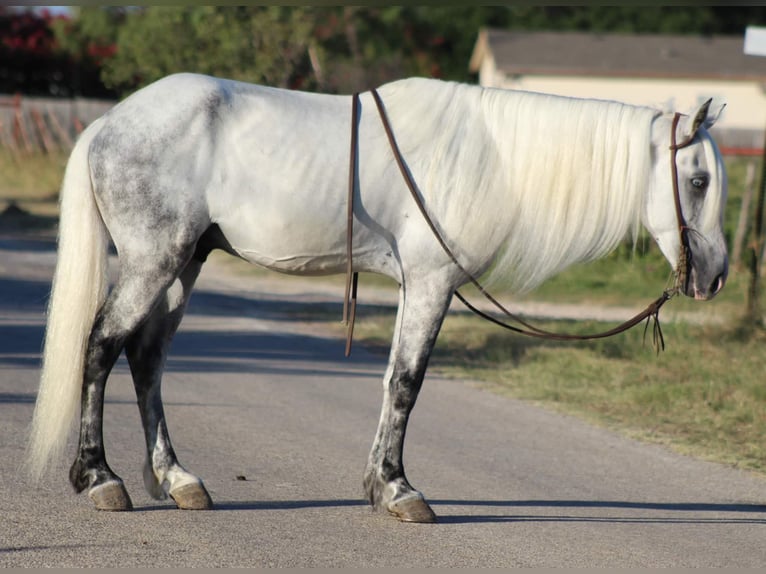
{"type": "Point", "coordinates": [699, 182]}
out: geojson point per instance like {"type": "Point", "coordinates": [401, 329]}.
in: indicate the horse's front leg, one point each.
{"type": "Point", "coordinates": [422, 307]}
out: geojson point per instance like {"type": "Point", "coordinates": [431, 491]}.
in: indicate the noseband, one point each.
{"type": "Point", "coordinates": [652, 311]}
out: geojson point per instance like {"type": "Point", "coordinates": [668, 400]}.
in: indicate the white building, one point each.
{"type": "Point", "coordinates": [656, 70]}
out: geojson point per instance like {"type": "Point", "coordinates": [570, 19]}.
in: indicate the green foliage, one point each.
{"type": "Point", "coordinates": [341, 48]}
{"type": "Point", "coordinates": [382, 43]}
{"type": "Point", "coordinates": [263, 44]}
{"type": "Point", "coordinates": [92, 27]}
{"type": "Point", "coordinates": [335, 48]}
{"type": "Point", "coordinates": [31, 62]}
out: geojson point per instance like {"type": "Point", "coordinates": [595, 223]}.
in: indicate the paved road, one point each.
{"type": "Point", "coordinates": [252, 391]}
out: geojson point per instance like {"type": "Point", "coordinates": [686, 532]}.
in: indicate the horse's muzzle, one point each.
{"type": "Point", "coordinates": [702, 287]}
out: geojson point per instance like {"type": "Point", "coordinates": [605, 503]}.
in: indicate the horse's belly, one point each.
{"type": "Point", "coordinates": [290, 243]}
{"type": "Point", "coordinates": [295, 263]}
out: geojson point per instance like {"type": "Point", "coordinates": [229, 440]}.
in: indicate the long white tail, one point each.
{"type": "Point", "coordinates": [79, 289]}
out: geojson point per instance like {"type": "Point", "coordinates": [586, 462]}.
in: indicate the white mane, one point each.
{"type": "Point", "coordinates": [546, 181]}
{"type": "Point", "coordinates": [576, 173]}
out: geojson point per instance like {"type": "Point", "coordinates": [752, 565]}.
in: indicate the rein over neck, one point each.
{"type": "Point", "coordinates": [650, 312]}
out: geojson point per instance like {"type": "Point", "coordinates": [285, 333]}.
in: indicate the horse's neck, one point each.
{"type": "Point", "coordinates": [576, 172]}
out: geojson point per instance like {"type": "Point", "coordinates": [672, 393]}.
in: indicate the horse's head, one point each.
{"type": "Point", "coordinates": [702, 189]}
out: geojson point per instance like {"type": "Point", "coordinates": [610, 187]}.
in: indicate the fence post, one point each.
{"type": "Point", "coordinates": [755, 45]}
{"type": "Point", "coordinates": [744, 213]}
{"type": "Point", "coordinates": [753, 295]}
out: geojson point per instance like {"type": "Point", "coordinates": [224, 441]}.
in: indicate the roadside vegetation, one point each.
{"type": "Point", "coordinates": [29, 185]}
{"type": "Point", "coordinates": [704, 395]}
{"type": "Point", "coordinates": [31, 178]}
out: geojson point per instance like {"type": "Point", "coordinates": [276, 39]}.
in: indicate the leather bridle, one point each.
{"type": "Point", "coordinates": [683, 267]}
{"type": "Point", "coordinates": [682, 270]}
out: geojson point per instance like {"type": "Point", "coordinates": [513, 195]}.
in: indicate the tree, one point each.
{"type": "Point", "coordinates": [88, 41]}
{"type": "Point", "coordinates": [340, 48]}
{"type": "Point", "coordinates": [263, 44]}
{"type": "Point", "coordinates": [29, 61]}
{"type": "Point", "coordinates": [335, 49]}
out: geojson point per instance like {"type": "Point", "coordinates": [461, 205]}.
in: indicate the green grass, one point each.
{"type": "Point", "coordinates": [704, 395]}
{"type": "Point", "coordinates": [29, 185]}
{"type": "Point", "coordinates": [32, 177]}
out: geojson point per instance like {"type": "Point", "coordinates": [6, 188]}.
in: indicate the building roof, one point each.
{"type": "Point", "coordinates": [642, 55]}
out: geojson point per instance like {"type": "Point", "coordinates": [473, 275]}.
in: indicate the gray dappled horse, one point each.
{"type": "Point", "coordinates": [523, 184]}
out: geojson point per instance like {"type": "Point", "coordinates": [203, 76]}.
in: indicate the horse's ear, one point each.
{"type": "Point", "coordinates": [713, 115]}
{"type": "Point", "coordinates": [703, 116]}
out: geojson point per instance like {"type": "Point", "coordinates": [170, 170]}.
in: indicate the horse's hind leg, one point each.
{"type": "Point", "coordinates": [146, 351]}
{"type": "Point", "coordinates": [142, 282]}
{"type": "Point", "coordinates": [422, 307]}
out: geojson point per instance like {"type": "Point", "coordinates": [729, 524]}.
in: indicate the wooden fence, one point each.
{"type": "Point", "coordinates": [29, 125]}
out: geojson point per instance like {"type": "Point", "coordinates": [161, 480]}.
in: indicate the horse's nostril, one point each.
{"type": "Point", "coordinates": [717, 284]}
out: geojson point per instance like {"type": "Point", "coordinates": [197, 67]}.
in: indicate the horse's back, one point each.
{"type": "Point", "coordinates": [269, 166]}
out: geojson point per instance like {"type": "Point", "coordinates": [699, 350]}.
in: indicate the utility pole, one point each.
{"type": "Point", "coordinates": [755, 45]}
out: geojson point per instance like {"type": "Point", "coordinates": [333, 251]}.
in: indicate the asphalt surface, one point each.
{"type": "Point", "coordinates": [253, 392]}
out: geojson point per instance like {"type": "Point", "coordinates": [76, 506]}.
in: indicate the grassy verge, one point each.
{"type": "Point", "coordinates": [703, 395]}
{"type": "Point", "coordinates": [32, 177]}
{"type": "Point", "coordinates": [29, 185]}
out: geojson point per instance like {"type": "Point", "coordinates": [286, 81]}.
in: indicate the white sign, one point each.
{"type": "Point", "coordinates": [755, 41]}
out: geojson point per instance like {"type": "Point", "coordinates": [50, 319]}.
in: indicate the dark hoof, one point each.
{"type": "Point", "coordinates": [412, 509]}
{"type": "Point", "coordinates": [192, 496]}
{"type": "Point", "coordinates": [110, 496]}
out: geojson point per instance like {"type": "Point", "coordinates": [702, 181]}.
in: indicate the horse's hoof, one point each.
{"type": "Point", "coordinates": [192, 496]}
{"type": "Point", "coordinates": [412, 509]}
{"type": "Point", "coordinates": [110, 496]}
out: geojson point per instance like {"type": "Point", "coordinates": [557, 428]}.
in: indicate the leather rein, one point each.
{"type": "Point", "coordinates": [352, 277]}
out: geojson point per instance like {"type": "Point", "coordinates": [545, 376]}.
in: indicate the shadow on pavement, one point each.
{"type": "Point", "coordinates": [667, 511]}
